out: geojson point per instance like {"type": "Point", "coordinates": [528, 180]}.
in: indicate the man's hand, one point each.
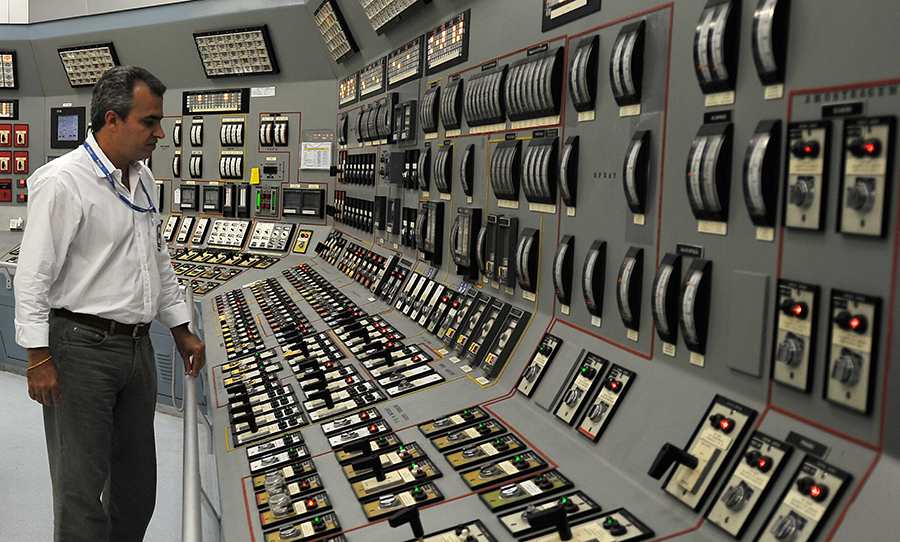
{"type": "Point", "coordinates": [43, 381]}
{"type": "Point", "coordinates": [192, 349]}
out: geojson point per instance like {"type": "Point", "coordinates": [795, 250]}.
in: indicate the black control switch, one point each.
{"type": "Point", "coordinates": [555, 516]}
{"type": "Point", "coordinates": [409, 515]}
{"type": "Point", "coordinates": [671, 454]}
{"type": "Point", "coordinates": [372, 463]}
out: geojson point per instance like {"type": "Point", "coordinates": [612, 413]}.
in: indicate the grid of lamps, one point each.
{"type": "Point", "coordinates": [337, 38]}
{"type": "Point", "coordinates": [236, 52]}
{"type": "Point", "coordinates": [85, 64]}
{"type": "Point", "coordinates": [381, 12]}
{"type": "Point", "coordinates": [8, 70]}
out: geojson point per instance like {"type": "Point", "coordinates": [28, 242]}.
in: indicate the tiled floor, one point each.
{"type": "Point", "coordinates": [26, 513]}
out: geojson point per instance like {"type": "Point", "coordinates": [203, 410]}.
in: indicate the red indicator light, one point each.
{"type": "Point", "coordinates": [373, 428]}
{"type": "Point", "coordinates": [762, 463]}
{"type": "Point", "coordinates": [304, 485]}
{"type": "Point", "coordinates": [725, 424]}
{"type": "Point", "coordinates": [869, 147]}
{"type": "Point", "coordinates": [815, 491]}
{"type": "Point", "coordinates": [443, 300]}
{"type": "Point", "coordinates": [808, 149]}
{"type": "Point", "coordinates": [311, 503]}
{"type": "Point", "coordinates": [363, 415]}
{"type": "Point", "coordinates": [797, 309]}
{"type": "Point", "coordinates": [854, 323]}
{"type": "Point", "coordinates": [613, 385]}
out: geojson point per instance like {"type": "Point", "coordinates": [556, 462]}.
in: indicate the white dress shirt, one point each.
{"type": "Point", "coordinates": [87, 251]}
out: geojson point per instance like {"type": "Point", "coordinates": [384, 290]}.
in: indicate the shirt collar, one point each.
{"type": "Point", "coordinates": [113, 170]}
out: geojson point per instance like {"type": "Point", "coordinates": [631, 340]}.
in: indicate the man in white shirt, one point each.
{"type": "Point", "coordinates": [93, 273]}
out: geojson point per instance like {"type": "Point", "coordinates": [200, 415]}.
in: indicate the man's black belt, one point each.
{"type": "Point", "coordinates": [134, 330]}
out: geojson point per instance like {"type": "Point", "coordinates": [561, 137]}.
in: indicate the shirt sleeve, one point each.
{"type": "Point", "coordinates": [173, 310]}
{"type": "Point", "coordinates": [54, 215]}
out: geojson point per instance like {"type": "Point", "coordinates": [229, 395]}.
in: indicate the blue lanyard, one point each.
{"type": "Point", "coordinates": [112, 183]}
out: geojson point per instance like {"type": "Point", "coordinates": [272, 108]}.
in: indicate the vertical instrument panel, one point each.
{"type": "Point", "coordinates": [628, 288]}
{"type": "Point", "coordinates": [463, 237]}
{"type": "Point", "coordinates": [484, 102]}
{"type": "Point", "coordinates": [695, 305]}
{"type": "Point", "coordinates": [451, 104]}
{"type": "Point", "coordinates": [568, 172]}
{"type": "Point", "coordinates": [593, 279]}
{"type": "Point", "coordinates": [562, 269]}
{"type": "Point", "coordinates": [626, 64]}
{"type": "Point", "coordinates": [506, 170]}
{"type": "Point", "coordinates": [467, 170]}
{"type": "Point", "coordinates": [527, 259]}
{"type": "Point", "coordinates": [709, 172]}
{"type": "Point", "coordinates": [716, 43]}
{"type": "Point", "coordinates": [423, 168]}
{"type": "Point", "coordinates": [665, 297]}
{"type": "Point", "coordinates": [539, 170]}
{"type": "Point", "coordinates": [533, 88]}
{"type": "Point", "coordinates": [761, 171]}
{"type": "Point", "coordinates": [443, 168]}
{"type": "Point", "coordinates": [636, 172]}
{"type": "Point", "coordinates": [770, 40]}
{"type": "Point", "coordinates": [429, 108]}
{"type": "Point", "coordinates": [583, 74]}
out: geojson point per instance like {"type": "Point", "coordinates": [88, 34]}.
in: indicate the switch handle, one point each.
{"type": "Point", "coordinates": [373, 463]}
{"type": "Point", "coordinates": [319, 384]}
{"type": "Point", "coordinates": [554, 516]}
{"type": "Point", "coordinates": [409, 515]}
{"type": "Point", "coordinates": [325, 395]}
{"type": "Point", "coordinates": [363, 447]}
{"type": "Point", "coordinates": [667, 455]}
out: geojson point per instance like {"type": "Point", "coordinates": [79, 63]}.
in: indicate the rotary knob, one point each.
{"type": "Point", "coordinates": [847, 368]}
{"type": "Point", "coordinates": [802, 192]}
{"type": "Point", "coordinates": [787, 527]}
{"type": "Point", "coordinates": [861, 196]}
{"type": "Point", "coordinates": [598, 410]}
{"type": "Point", "coordinates": [573, 395]}
{"type": "Point", "coordinates": [790, 351]}
{"type": "Point", "coordinates": [736, 497]}
{"type": "Point", "coordinates": [532, 372]}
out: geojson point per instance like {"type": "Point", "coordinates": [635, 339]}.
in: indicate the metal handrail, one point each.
{"type": "Point", "coordinates": [191, 518]}
{"type": "Point", "coordinates": [4, 270]}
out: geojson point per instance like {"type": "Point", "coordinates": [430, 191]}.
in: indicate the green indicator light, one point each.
{"type": "Point", "coordinates": [258, 199]}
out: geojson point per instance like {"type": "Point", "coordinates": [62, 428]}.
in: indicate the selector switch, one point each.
{"type": "Point", "coordinates": [852, 351]}
{"type": "Point", "coordinates": [847, 368]}
{"type": "Point", "coordinates": [864, 176]}
{"type": "Point", "coordinates": [750, 482]}
{"type": "Point", "coordinates": [802, 193]}
{"type": "Point", "coordinates": [807, 174]}
{"type": "Point", "coordinates": [806, 503]}
{"type": "Point", "coordinates": [795, 334]}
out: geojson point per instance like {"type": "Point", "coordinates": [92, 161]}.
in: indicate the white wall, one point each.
{"type": "Point", "coordinates": [13, 11]}
{"type": "Point", "coordinates": [49, 10]}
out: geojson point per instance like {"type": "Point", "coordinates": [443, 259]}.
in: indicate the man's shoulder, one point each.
{"type": "Point", "coordinates": [67, 168]}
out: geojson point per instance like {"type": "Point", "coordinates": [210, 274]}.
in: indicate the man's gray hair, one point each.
{"type": "Point", "coordinates": [114, 91]}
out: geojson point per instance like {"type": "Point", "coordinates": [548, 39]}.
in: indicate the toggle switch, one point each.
{"type": "Point", "coordinates": [670, 454]}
